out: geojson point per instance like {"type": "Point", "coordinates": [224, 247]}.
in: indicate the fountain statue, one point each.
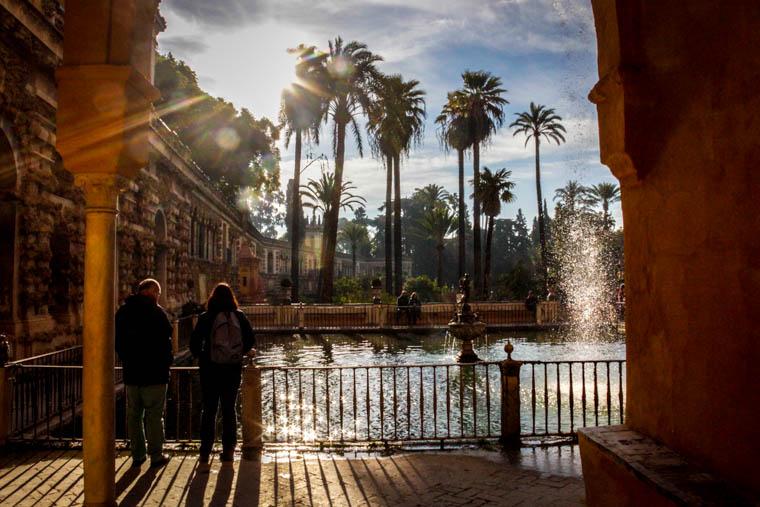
{"type": "Point", "coordinates": [465, 325]}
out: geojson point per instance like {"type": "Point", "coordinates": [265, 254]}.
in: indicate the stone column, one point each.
{"type": "Point", "coordinates": [510, 399]}
{"type": "Point", "coordinates": [253, 427]}
{"type": "Point", "coordinates": [101, 191]}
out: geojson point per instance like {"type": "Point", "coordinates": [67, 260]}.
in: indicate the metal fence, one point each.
{"type": "Point", "coordinates": [351, 404]}
{"type": "Point", "coordinates": [436, 402]}
{"type": "Point", "coordinates": [46, 392]}
{"type": "Point", "coordinates": [46, 403]}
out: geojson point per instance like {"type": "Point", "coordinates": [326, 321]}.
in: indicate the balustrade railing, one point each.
{"type": "Point", "coordinates": [383, 316]}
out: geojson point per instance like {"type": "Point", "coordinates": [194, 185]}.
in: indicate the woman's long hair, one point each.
{"type": "Point", "coordinates": [222, 299]}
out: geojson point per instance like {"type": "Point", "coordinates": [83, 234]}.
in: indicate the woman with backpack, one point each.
{"type": "Point", "coordinates": [221, 339]}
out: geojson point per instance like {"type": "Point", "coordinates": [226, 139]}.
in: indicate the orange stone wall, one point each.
{"type": "Point", "coordinates": [679, 113]}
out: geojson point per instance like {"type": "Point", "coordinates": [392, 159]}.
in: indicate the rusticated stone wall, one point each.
{"type": "Point", "coordinates": [45, 310]}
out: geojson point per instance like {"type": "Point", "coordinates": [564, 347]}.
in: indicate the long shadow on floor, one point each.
{"type": "Point", "coordinates": [248, 485]}
{"type": "Point", "coordinates": [140, 488]}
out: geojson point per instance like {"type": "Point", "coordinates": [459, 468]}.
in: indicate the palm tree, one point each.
{"type": "Point", "coordinates": [300, 115]}
{"type": "Point", "coordinates": [453, 134]}
{"type": "Point", "coordinates": [495, 188]}
{"type": "Point", "coordinates": [385, 144]}
{"type": "Point", "coordinates": [435, 225]}
{"type": "Point", "coordinates": [604, 193]}
{"type": "Point", "coordinates": [480, 101]}
{"type": "Point", "coordinates": [321, 194]}
{"type": "Point", "coordinates": [351, 72]}
{"type": "Point", "coordinates": [397, 121]}
{"type": "Point", "coordinates": [539, 121]}
{"type": "Point", "coordinates": [572, 196]}
{"type": "Point", "coordinates": [353, 234]}
{"type": "Point", "coordinates": [431, 195]}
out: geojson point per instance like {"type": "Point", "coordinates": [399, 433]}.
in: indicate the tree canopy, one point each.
{"type": "Point", "coordinates": [233, 147]}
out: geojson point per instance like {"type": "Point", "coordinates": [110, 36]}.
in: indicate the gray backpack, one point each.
{"type": "Point", "coordinates": [226, 339]}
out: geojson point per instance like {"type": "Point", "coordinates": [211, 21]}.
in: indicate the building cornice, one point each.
{"type": "Point", "coordinates": [42, 32]}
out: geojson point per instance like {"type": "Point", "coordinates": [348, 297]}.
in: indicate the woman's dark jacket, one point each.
{"type": "Point", "coordinates": [144, 341]}
{"type": "Point", "coordinates": [200, 341]}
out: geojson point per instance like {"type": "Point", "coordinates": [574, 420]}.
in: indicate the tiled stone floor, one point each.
{"type": "Point", "coordinates": [531, 476]}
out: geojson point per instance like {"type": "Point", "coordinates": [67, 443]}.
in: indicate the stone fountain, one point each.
{"type": "Point", "coordinates": [465, 325]}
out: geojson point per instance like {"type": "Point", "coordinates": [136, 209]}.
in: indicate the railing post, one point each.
{"type": "Point", "coordinates": [175, 336]}
{"type": "Point", "coordinates": [252, 421]}
{"type": "Point", "coordinates": [6, 393]}
{"type": "Point", "coordinates": [510, 399]}
{"type": "Point", "coordinates": [301, 317]}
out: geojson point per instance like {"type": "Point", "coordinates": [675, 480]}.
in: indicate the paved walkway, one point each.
{"type": "Point", "coordinates": [527, 477]}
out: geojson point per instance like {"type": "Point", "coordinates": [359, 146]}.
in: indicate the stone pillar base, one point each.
{"type": "Point", "coordinates": [624, 468]}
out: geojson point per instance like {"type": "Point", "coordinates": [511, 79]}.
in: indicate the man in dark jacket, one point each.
{"type": "Point", "coordinates": [144, 345]}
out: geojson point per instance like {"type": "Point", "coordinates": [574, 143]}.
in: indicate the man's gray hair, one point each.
{"type": "Point", "coordinates": [148, 284]}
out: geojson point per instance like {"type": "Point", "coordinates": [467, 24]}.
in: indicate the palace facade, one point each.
{"type": "Point", "coordinates": [173, 224]}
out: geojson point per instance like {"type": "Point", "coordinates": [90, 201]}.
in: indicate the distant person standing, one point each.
{"type": "Point", "coordinates": [402, 306]}
{"type": "Point", "coordinates": [415, 308]}
{"type": "Point", "coordinates": [220, 340]}
{"type": "Point", "coordinates": [531, 303]}
{"type": "Point", "coordinates": [144, 345]}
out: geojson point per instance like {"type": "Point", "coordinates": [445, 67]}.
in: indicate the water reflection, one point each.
{"type": "Point", "coordinates": [372, 349]}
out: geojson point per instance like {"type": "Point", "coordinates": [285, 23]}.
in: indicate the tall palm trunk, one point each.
{"type": "Point", "coordinates": [388, 226]}
{"type": "Point", "coordinates": [353, 260]}
{"type": "Point", "coordinates": [397, 223]}
{"type": "Point", "coordinates": [462, 221]}
{"type": "Point", "coordinates": [606, 208]}
{"type": "Point", "coordinates": [295, 222]}
{"type": "Point", "coordinates": [476, 217]}
{"type": "Point", "coordinates": [330, 235]}
{"type": "Point", "coordinates": [439, 271]}
{"type": "Point", "coordinates": [487, 269]}
{"type": "Point", "coordinates": [541, 230]}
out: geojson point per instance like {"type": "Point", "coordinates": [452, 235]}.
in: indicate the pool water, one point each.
{"type": "Point", "coordinates": [368, 393]}
{"type": "Point", "coordinates": [378, 349]}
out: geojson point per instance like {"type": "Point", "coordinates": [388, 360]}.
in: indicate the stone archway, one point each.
{"type": "Point", "coordinates": [161, 253]}
{"type": "Point", "coordinates": [679, 113]}
{"type": "Point", "coordinates": [8, 229]}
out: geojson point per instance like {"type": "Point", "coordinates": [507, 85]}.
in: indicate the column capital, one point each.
{"type": "Point", "coordinates": [101, 190]}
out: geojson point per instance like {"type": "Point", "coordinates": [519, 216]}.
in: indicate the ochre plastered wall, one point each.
{"type": "Point", "coordinates": [679, 115]}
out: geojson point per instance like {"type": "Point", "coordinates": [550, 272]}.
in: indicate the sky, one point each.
{"type": "Point", "coordinates": [543, 50]}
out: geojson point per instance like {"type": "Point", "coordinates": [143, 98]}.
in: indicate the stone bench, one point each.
{"type": "Point", "coordinates": [625, 468]}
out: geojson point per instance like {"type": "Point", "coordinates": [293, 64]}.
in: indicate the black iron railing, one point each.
{"type": "Point", "coordinates": [436, 402]}
{"type": "Point", "coordinates": [352, 404]}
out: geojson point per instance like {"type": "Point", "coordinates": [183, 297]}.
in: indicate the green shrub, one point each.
{"type": "Point", "coordinates": [425, 287]}
{"type": "Point", "coordinates": [351, 290]}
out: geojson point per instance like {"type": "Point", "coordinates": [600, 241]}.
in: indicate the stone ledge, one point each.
{"type": "Point", "coordinates": [617, 460]}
